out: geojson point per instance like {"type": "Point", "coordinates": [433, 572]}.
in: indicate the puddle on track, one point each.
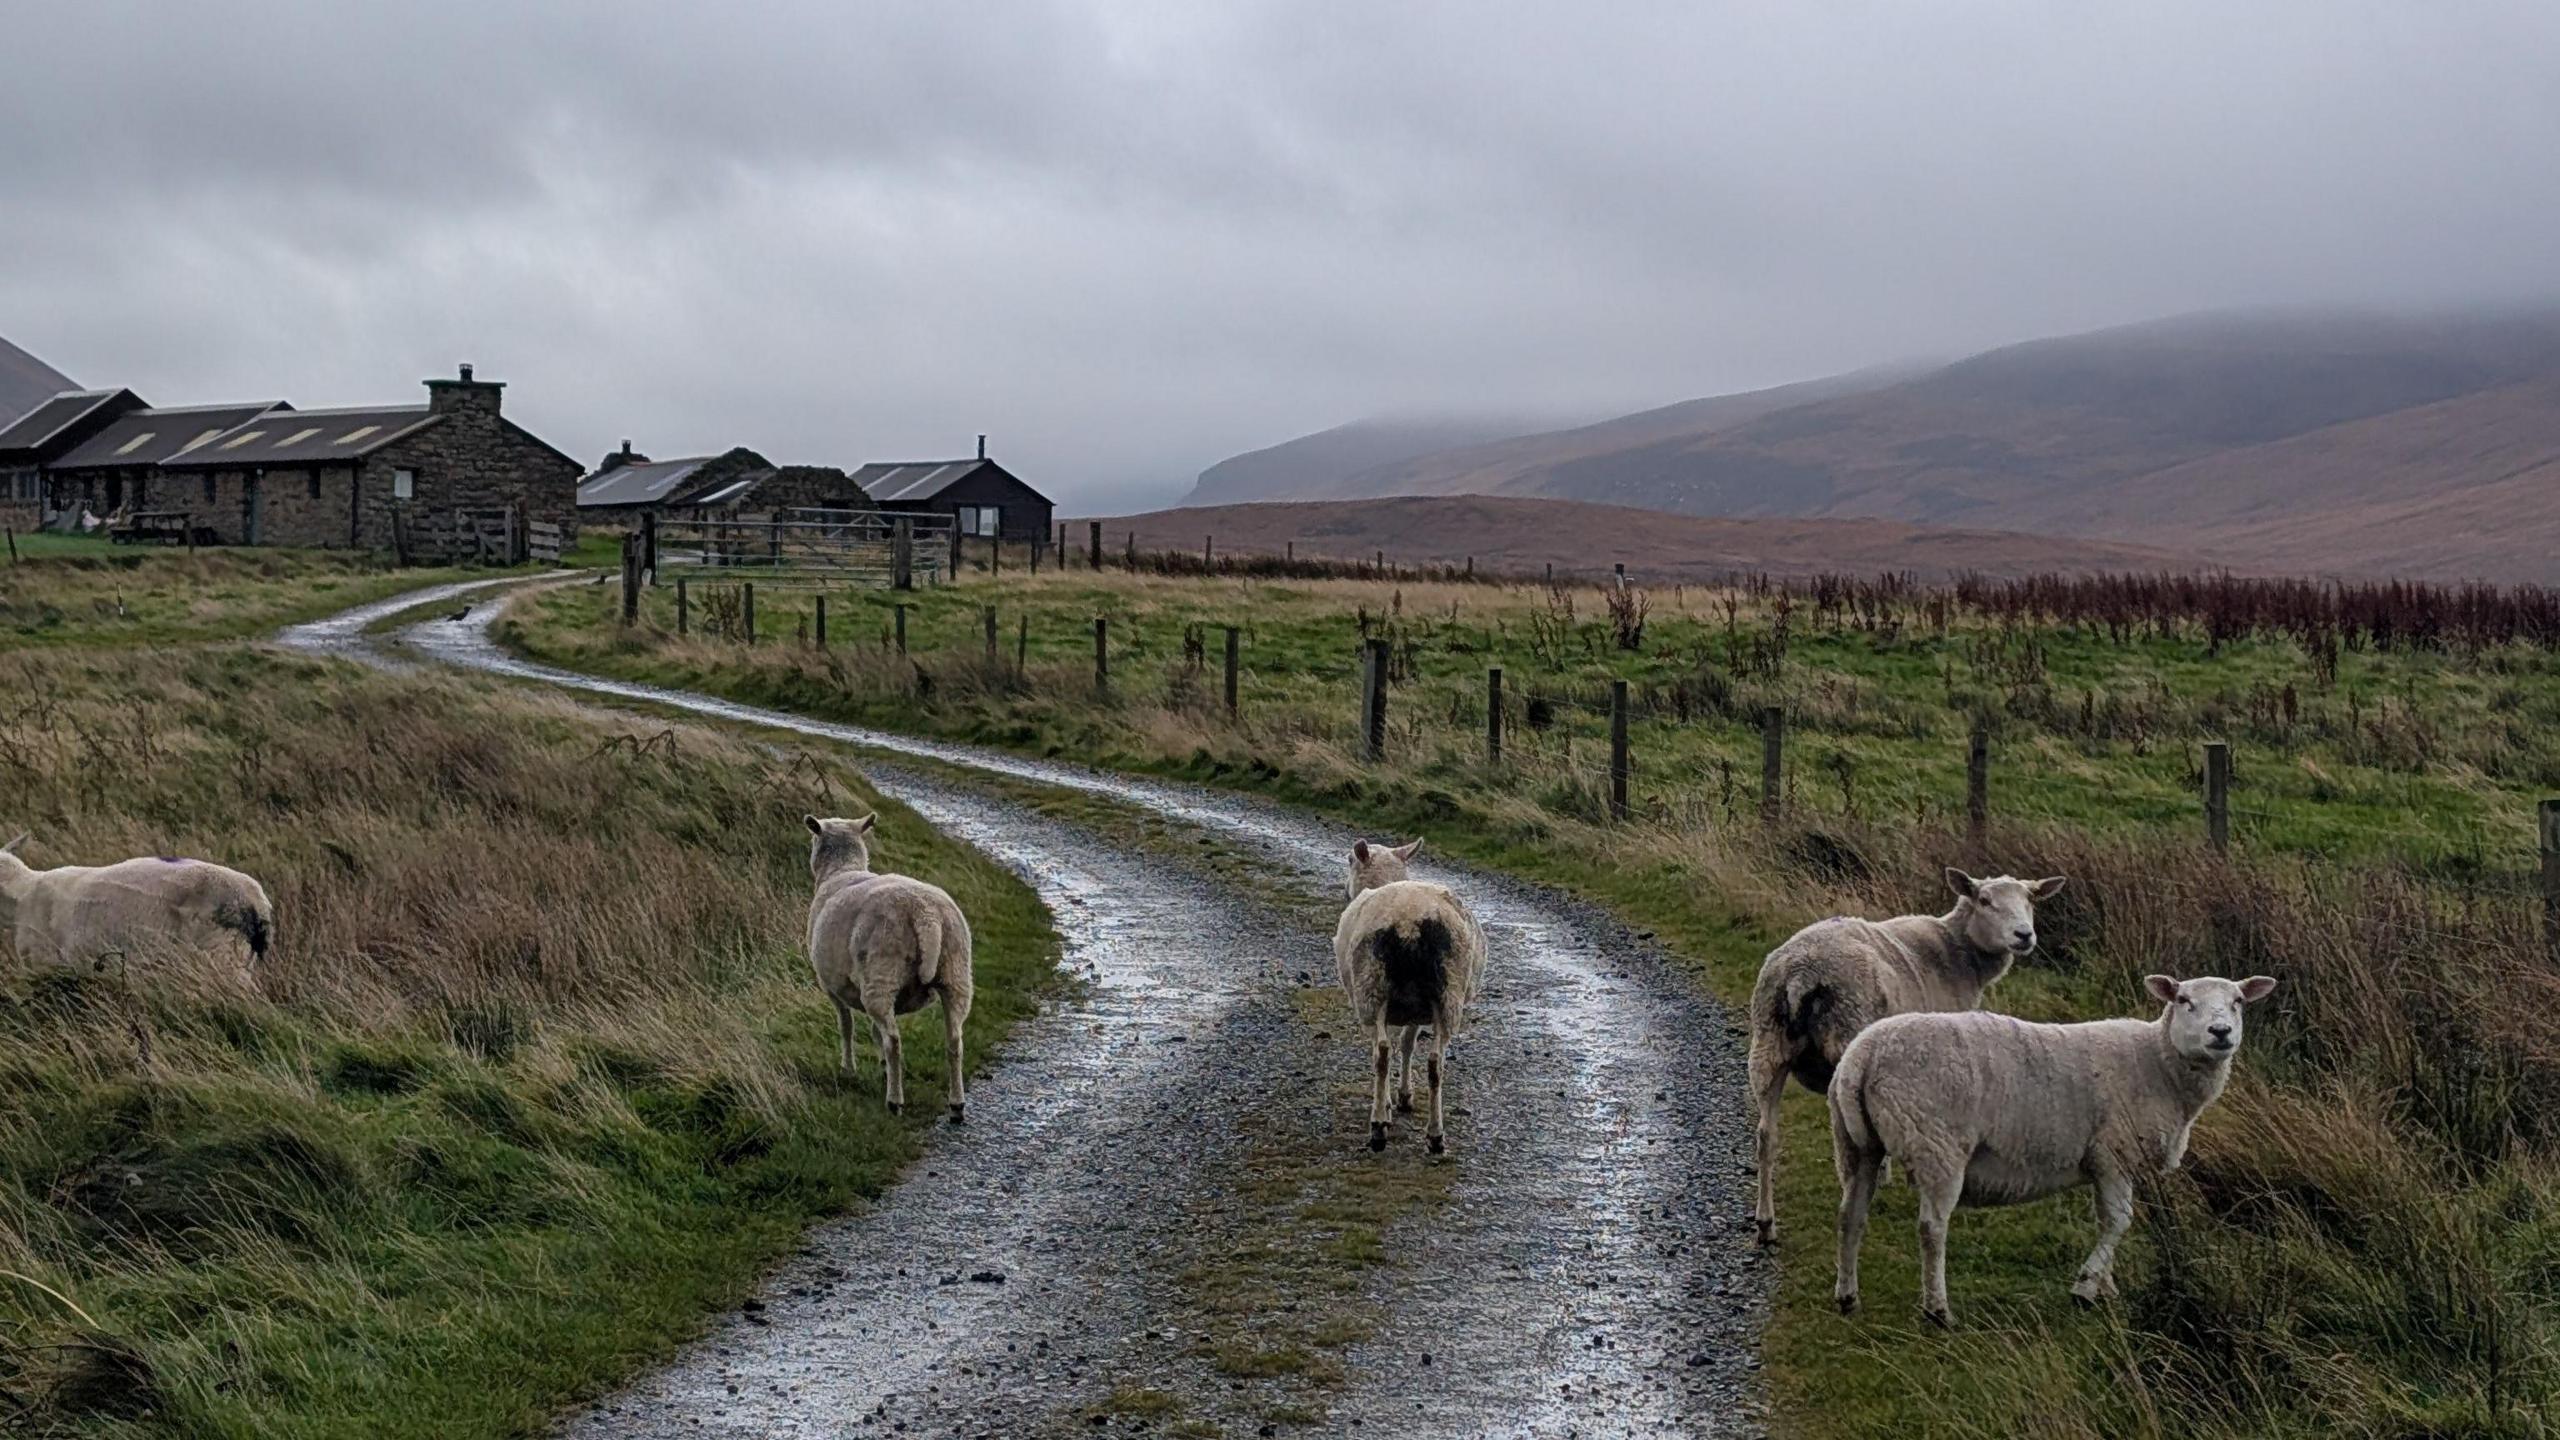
{"type": "Point", "coordinates": [1592, 1275]}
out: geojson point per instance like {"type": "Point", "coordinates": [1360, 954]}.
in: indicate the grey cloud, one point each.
{"type": "Point", "coordinates": [1130, 239]}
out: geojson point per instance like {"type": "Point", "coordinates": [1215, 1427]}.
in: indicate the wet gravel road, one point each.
{"type": "Point", "coordinates": [1591, 1273]}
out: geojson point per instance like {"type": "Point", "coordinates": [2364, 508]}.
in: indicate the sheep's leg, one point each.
{"type": "Point", "coordinates": [844, 1039]}
{"type": "Point", "coordinates": [1858, 1170]}
{"type": "Point", "coordinates": [1378, 1095]}
{"type": "Point", "coordinates": [951, 1019]}
{"type": "Point", "coordinates": [1768, 1083]}
{"type": "Point", "coordinates": [2115, 1215]}
{"type": "Point", "coordinates": [1404, 1072]}
{"type": "Point", "coordinates": [1938, 1195]}
{"type": "Point", "coordinates": [893, 1059]}
{"type": "Point", "coordinates": [1438, 1064]}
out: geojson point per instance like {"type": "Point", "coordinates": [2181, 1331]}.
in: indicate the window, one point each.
{"type": "Point", "coordinates": [979, 519]}
{"type": "Point", "coordinates": [404, 484]}
{"type": "Point", "coordinates": [208, 487]}
{"type": "Point", "coordinates": [315, 484]}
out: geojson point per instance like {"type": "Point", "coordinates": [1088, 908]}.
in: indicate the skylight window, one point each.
{"type": "Point", "coordinates": [298, 436]}
{"type": "Point", "coordinates": [238, 441]}
{"type": "Point", "coordinates": [136, 443]}
{"type": "Point", "coordinates": [355, 435]}
{"type": "Point", "coordinates": [196, 442]}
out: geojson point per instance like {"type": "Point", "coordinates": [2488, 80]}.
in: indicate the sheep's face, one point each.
{"type": "Point", "coordinates": [838, 845]}
{"type": "Point", "coordinates": [2002, 918]}
{"type": "Point", "coordinates": [2203, 1015]}
{"type": "Point", "coordinates": [1376, 865]}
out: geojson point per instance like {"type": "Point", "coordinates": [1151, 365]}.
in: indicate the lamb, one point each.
{"type": "Point", "coordinates": [1986, 1109]}
{"type": "Point", "coordinates": [1409, 955]}
{"type": "Point", "coordinates": [83, 914]}
{"type": "Point", "coordinates": [885, 945]}
{"type": "Point", "coordinates": [1836, 977]}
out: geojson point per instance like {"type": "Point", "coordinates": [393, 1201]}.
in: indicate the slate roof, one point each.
{"type": "Point", "coordinates": [305, 437]}
{"type": "Point", "coordinates": [52, 417]}
{"type": "Point", "coordinates": [894, 481]}
{"type": "Point", "coordinates": [148, 437]}
{"type": "Point", "coordinates": [643, 483]}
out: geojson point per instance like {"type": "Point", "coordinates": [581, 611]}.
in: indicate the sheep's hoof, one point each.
{"type": "Point", "coordinates": [1439, 1145]}
{"type": "Point", "coordinates": [1769, 1232]}
{"type": "Point", "coordinates": [959, 1114]}
{"type": "Point", "coordinates": [897, 1107]}
{"type": "Point", "coordinates": [1404, 1104]}
{"type": "Point", "coordinates": [1377, 1136]}
{"type": "Point", "coordinates": [1848, 1304]}
{"type": "Point", "coordinates": [1939, 1318]}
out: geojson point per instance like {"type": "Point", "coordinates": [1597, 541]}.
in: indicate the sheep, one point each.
{"type": "Point", "coordinates": [1409, 955]}
{"type": "Point", "coordinates": [1835, 977]}
{"type": "Point", "coordinates": [1986, 1109]}
{"type": "Point", "coordinates": [885, 945]}
{"type": "Point", "coordinates": [81, 914]}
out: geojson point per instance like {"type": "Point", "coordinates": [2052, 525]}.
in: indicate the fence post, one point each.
{"type": "Point", "coordinates": [1289, 552]}
{"type": "Point", "coordinates": [748, 604]}
{"type": "Point", "coordinates": [991, 634]}
{"type": "Point", "coordinates": [1231, 672]}
{"type": "Point", "coordinates": [822, 622]}
{"type": "Point", "coordinates": [1977, 787]}
{"type": "Point", "coordinates": [2551, 875]}
{"type": "Point", "coordinates": [1035, 553]}
{"type": "Point", "coordinates": [1773, 756]}
{"type": "Point", "coordinates": [1129, 551]}
{"type": "Point", "coordinates": [2217, 795]}
{"type": "Point", "coordinates": [13, 546]}
{"type": "Point", "coordinates": [1493, 716]}
{"type": "Point", "coordinates": [1093, 545]}
{"type": "Point", "coordinates": [1471, 567]}
{"type": "Point", "coordinates": [902, 555]}
{"type": "Point", "coordinates": [1208, 551]}
{"type": "Point", "coordinates": [1101, 649]}
{"type": "Point", "coordinates": [630, 579]}
{"type": "Point", "coordinates": [1618, 762]}
{"type": "Point", "coordinates": [684, 608]}
{"type": "Point", "coordinates": [1622, 574]}
{"type": "Point", "coordinates": [649, 546]}
{"type": "Point", "coordinates": [995, 556]}
{"type": "Point", "coordinates": [902, 629]}
{"type": "Point", "coordinates": [1373, 700]}
{"type": "Point", "coordinates": [1022, 649]}
{"type": "Point", "coordinates": [1062, 544]}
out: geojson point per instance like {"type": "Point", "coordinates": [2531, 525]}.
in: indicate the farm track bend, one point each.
{"type": "Point", "coordinates": [1589, 1272]}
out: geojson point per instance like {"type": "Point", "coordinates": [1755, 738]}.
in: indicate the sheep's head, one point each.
{"type": "Point", "coordinates": [2001, 920]}
{"type": "Point", "coordinates": [838, 845]}
{"type": "Point", "coordinates": [2203, 1015]}
{"type": "Point", "coordinates": [1376, 865]}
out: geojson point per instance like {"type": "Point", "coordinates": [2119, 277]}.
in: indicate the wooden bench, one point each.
{"type": "Point", "coordinates": [158, 527]}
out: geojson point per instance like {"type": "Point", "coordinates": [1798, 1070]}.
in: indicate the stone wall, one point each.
{"type": "Point", "coordinates": [289, 513]}
{"type": "Point", "coordinates": [470, 460]}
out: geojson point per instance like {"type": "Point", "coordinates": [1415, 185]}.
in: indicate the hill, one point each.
{"type": "Point", "coordinates": [1314, 464]}
{"type": "Point", "coordinates": [26, 382]}
{"type": "Point", "coordinates": [2304, 441]}
{"type": "Point", "coordinates": [1520, 535]}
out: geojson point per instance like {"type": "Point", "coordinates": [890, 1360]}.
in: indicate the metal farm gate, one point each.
{"type": "Point", "coordinates": [866, 547]}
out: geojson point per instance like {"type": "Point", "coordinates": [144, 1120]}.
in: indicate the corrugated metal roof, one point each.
{"type": "Point", "coordinates": [50, 418]}
{"type": "Point", "coordinates": [303, 437]}
{"type": "Point", "coordinates": [728, 492]}
{"type": "Point", "coordinates": [147, 437]}
{"type": "Point", "coordinates": [889, 481]}
{"type": "Point", "coordinates": [639, 484]}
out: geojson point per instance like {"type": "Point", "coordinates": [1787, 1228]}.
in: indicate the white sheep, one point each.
{"type": "Point", "coordinates": [1409, 955]}
{"type": "Point", "coordinates": [885, 945]}
{"type": "Point", "coordinates": [1986, 1109]}
{"type": "Point", "coordinates": [83, 914]}
{"type": "Point", "coordinates": [1836, 977]}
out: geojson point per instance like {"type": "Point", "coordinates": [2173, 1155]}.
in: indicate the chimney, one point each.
{"type": "Point", "coordinates": [982, 447]}
{"type": "Point", "coordinates": [445, 397]}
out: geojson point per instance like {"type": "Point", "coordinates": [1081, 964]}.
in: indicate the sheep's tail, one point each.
{"type": "Point", "coordinates": [1413, 960]}
{"type": "Point", "coordinates": [254, 920]}
{"type": "Point", "coordinates": [928, 945]}
{"type": "Point", "coordinates": [1796, 1011]}
{"type": "Point", "coordinates": [1850, 1121]}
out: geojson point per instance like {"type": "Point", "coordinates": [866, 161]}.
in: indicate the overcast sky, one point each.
{"type": "Point", "coordinates": [1129, 240]}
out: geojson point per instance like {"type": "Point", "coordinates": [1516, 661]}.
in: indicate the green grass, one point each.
{"type": "Point", "coordinates": [84, 594]}
{"type": "Point", "coordinates": [535, 1081]}
{"type": "Point", "coordinates": [2365, 1238]}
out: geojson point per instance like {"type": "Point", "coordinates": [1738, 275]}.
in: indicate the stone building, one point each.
{"type": "Point", "coordinates": [380, 477]}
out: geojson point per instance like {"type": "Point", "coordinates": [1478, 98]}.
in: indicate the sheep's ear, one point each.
{"type": "Point", "coordinates": [1960, 882]}
{"type": "Point", "coordinates": [2048, 887]}
{"type": "Point", "coordinates": [1406, 852]}
{"type": "Point", "coordinates": [2257, 987]}
{"type": "Point", "coordinates": [1359, 852]}
{"type": "Point", "coordinates": [812, 822]}
{"type": "Point", "coordinates": [863, 825]}
{"type": "Point", "coordinates": [2162, 988]}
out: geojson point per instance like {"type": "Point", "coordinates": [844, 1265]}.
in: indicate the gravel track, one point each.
{"type": "Point", "coordinates": [1590, 1275]}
